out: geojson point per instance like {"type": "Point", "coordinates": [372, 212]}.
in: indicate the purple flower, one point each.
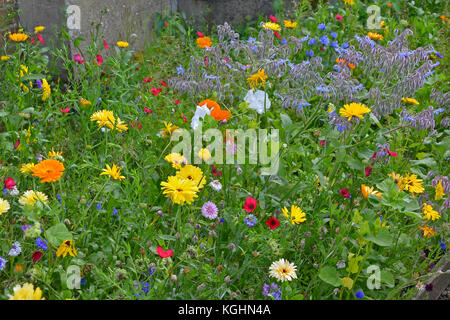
{"type": "Point", "coordinates": [25, 227]}
{"type": "Point", "coordinates": [2, 263]}
{"type": "Point", "coordinates": [266, 288]}
{"type": "Point", "coordinates": [250, 220]}
{"type": "Point", "coordinates": [312, 41]}
{"type": "Point", "coordinates": [39, 83]}
{"type": "Point", "coordinates": [276, 295]}
{"type": "Point", "coordinates": [333, 34]}
{"type": "Point", "coordinates": [345, 45]}
{"type": "Point", "coordinates": [209, 210]}
{"type": "Point", "coordinates": [15, 249]}
{"type": "Point", "coordinates": [324, 40]}
{"type": "Point", "coordinates": [310, 53]}
{"type": "Point", "coordinates": [334, 44]}
{"type": "Point", "coordinates": [359, 294]}
{"type": "Point", "coordinates": [42, 243]}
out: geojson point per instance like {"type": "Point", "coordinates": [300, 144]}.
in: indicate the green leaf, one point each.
{"type": "Point", "coordinates": [383, 238]}
{"type": "Point", "coordinates": [57, 234]}
{"type": "Point", "coordinates": [76, 42]}
{"type": "Point", "coordinates": [355, 164]}
{"type": "Point", "coordinates": [167, 237]}
{"type": "Point", "coordinates": [329, 275]}
{"type": "Point", "coordinates": [387, 278]}
{"type": "Point", "coordinates": [428, 162]}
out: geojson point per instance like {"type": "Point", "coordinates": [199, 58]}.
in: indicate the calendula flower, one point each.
{"type": "Point", "coordinates": [296, 215]}
{"type": "Point", "coordinates": [439, 191]}
{"type": "Point", "coordinates": [5, 58]}
{"type": "Point", "coordinates": [169, 128]}
{"type": "Point", "coordinates": [272, 26]}
{"type": "Point", "coordinates": [410, 100]}
{"type": "Point", "coordinates": [204, 42]}
{"type": "Point", "coordinates": [113, 172]}
{"type": "Point", "coordinates": [18, 37]}
{"type": "Point", "coordinates": [398, 179]}
{"type": "Point", "coordinates": [204, 154]}
{"type": "Point", "coordinates": [179, 190]}
{"type": "Point", "coordinates": [366, 190]}
{"type": "Point", "coordinates": [427, 231]}
{"type": "Point", "coordinates": [412, 184]}
{"type": "Point", "coordinates": [375, 36]}
{"type": "Point", "coordinates": [283, 270]}
{"type": "Point", "coordinates": [429, 213]}
{"type": "Point", "coordinates": [30, 197]}
{"type": "Point", "coordinates": [48, 170]}
{"type": "Point", "coordinates": [353, 110]}
{"type": "Point", "coordinates": [46, 90]}
{"type": "Point", "coordinates": [85, 102]}
{"type": "Point", "coordinates": [38, 29]}
{"type": "Point", "coordinates": [65, 248]}
{"type": "Point", "coordinates": [193, 173]}
{"type": "Point", "coordinates": [27, 168]}
{"type": "Point", "coordinates": [26, 292]}
{"type": "Point", "coordinates": [176, 159]}
{"type": "Point", "coordinates": [257, 79]}
{"type": "Point", "coordinates": [122, 44]}
{"type": "Point", "coordinates": [289, 24]}
{"type": "Point", "coordinates": [4, 206]}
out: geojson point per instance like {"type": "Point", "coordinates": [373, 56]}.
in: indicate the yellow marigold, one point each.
{"type": "Point", "coordinates": [204, 42]}
{"type": "Point", "coordinates": [296, 215]}
{"type": "Point", "coordinates": [48, 170]}
{"type": "Point", "coordinates": [27, 168]}
{"type": "Point", "coordinates": [113, 172]}
{"type": "Point", "coordinates": [30, 197]}
{"type": "Point", "coordinates": [26, 292]}
{"type": "Point", "coordinates": [439, 191]}
{"type": "Point", "coordinates": [412, 184]}
{"type": "Point", "coordinates": [272, 26]}
{"type": "Point", "coordinates": [4, 206]}
{"type": "Point", "coordinates": [5, 58]}
{"type": "Point", "coordinates": [179, 190]}
{"type": "Point", "coordinates": [193, 173]}
{"type": "Point", "coordinates": [176, 159]}
{"type": "Point", "coordinates": [375, 36]}
{"type": "Point", "coordinates": [65, 248]}
{"type": "Point", "coordinates": [410, 100]}
{"type": "Point", "coordinates": [46, 90]}
{"type": "Point", "coordinates": [366, 190]}
{"type": "Point", "coordinates": [38, 29]}
{"type": "Point", "coordinates": [18, 37]}
{"type": "Point", "coordinates": [257, 79]}
{"type": "Point", "coordinates": [429, 213]}
{"type": "Point", "coordinates": [290, 24]}
{"type": "Point", "coordinates": [354, 110]}
{"type": "Point", "coordinates": [122, 44]}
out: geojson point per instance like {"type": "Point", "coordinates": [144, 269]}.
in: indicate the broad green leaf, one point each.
{"type": "Point", "coordinates": [57, 234]}
{"type": "Point", "coordinates": [383, 238]}
{"type": "Point", "coordinates": [329, 275]}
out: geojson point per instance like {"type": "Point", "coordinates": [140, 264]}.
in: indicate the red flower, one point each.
{"type": "Point", "coordinates": [64, 110]}
{"type": "Point", "coordinates": [147, 110]}
{"type": "Point", "coordinates": [164, 254]}
{"type": "Point", "coordinates": [206, 61]}
{"type": "Point", "coordinates": [136, 124]}
{"type": "Point", "coordinates": [137, 69]}
{"type": "Point", "coordinates": [163, 83]}
{"type": "Point", "coordinates": [105, 44]}
{"type": "Point", "coordinates": [200, 35]}
{"type": "Point", "coordinates": [32, 40]}
{"type": "Point", "coordinates": [176, 101]}
{"type": "Point", "coordinates": [165, 24]}
{"type": "Point", "coordinates": [321, 48]}
{"type": "Point", "coordinates": [184, 117]}
{"type": "Point", "coordinates": [374, 156]}
{"type": "Point", "coordinates": [392, 153]}
{"type": "Point", "coordinates": [368, 170]}
{"type": "Point", "coordinates": [41, 40]}
{"type": "Point", "coordinates": [10, 183]}
{"type": "Point", "coordinates": [339, 17]}
{"type": "Point", "coordinates": [99, 60]}
{"type": "Point", "coordinates": [155, 91]}
{"type": "Point", "coordinates": [16, 145]}
{"type": "Point", "coordinates": [344, 193]}
{"type": "Point", "coordinates": [322, 143]}
{"type": "Point", "coordinates": [277, 34]}
{"type": "Point", "coordinates": [273, 19]}
{"type": "Point", "coordinates": [250, 204]}
{"type": "Point", "coordinates": [77, 58]}
{"type": "Point", "coordinates": [215, 172]}
{"type": "Point", "coordinates": [37, 255]}
{"type": "Point", "coordinates": [273, 223]}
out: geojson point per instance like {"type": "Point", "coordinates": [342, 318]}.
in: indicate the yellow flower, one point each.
{"type": "Point", "coordinates": [38, 29]}
{"type": "Point", "coordinates": [375, 36]}
{"type": "Point", "coordinates": [18, 37]}
{"type": "Point", "coordinates": [257, 79]}
{"type": "Point", "coordinates": [272, 26]}
{"type": "Point", "coordinates": [410, 100]}
{"type": "Point", "coordinates": [427, 231]}
{"type": "Point", "coordinates": [429, 213]}
{"type": "Point", "coordinates": [106, 118]}
{"type": "Point", "coordinates": [5, 58]}
{"type": "Point", "coordinates": [169, 129]}
{"type": "Point", "coordinates": [439, 191]}
{"type": "Point", "coordinates": [353, 110]}
{"type": "Point", "coordinates": [27, 168]}
{"type": "Point", "coordinates": [176, 159]}
{"type": "Point", "coordinates": [46, 90]}
{"type": "Point", "coordinates": [283, 270]}
{"type": "Point", "coordinates": [22, 73]}
{"type": "Point", "coordinates": [122, 44]}
{"type": "Point", "coordinates": [26, 292]}
{"type": "Point", "coordinates": [179, 190]}
{"type": "Point", "coordinates": [113, 172]}
{"type": "Point", "coordinates": [4, 206]}
{"type": "Point", "coordinates": [398, 179]}
{"type": "Point", "coordinates": [366, 190]}
{"type": "Point", "coordinates": [193, 173]}
{"type": "Point", "coordinates": [55, 154]}
{"type": "Point", "coordinates": [85, 102]}
{"type": "Point", "coordinates": [121, 126]}
{"type": "Point", "coordinates": [204, 154]}
{"type": "Point", "coordinates": [289, 24]}
{"type": "Point", "coordinates": [297, 215]}
{"type": "Point", "coordinates": [30, 197]}
{"type": "Point", "coordinates": [412, 184]}
{"type": "Point", "coordinates": [65, 248]}
{"type": "Point", "coordinates": [382, 24]}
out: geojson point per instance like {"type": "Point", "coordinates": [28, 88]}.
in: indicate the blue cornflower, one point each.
{"type": "Point", "coordinates": [25, 227]}
{"type": "Point", "coordinates": [145, 286]}
{"type": "Point", "coordinates": [310, 53]}
{"type": "Point", "coordinates": [5, 191]}
{"type": "Point", "coordinates": [322, 26]}
{"type": "Point", "coordinates": [345, 45]}
{"type": "Point", "coordinates": [83, 281]}
{"type": "Point", "coordinates": [15, 249]}
{"type": "Point", "coordinates": [333, 34]}
{"type": "Point", "coordinates": [89, 204]}
{"type": "Point", "coordinates": [443, 246]}
{"type": "Point", "coordinates": [39, 83]}
{"type": "Point", "coordinates": [334, 44]}
{"type": "Point", "coordinates": [2, 263]}
{"type": "Point", "coordinates": [250, 220]}
{"type": "Point", "coordinates": [99, 206]}
{"type": "Point", "coordinates": [222, 220]}
{"type": "Point", "coordinates": [180, 70]}
{"type": "Point", "coordinates": [43, 244]}
{"type": "Point", "coordinates": [324, 40]}
{"type": "Point", "coordinates": [312, 41]}
{"type": "Point", "coordinates": [359, 294]}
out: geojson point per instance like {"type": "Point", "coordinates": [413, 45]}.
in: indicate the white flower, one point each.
{"type": "Point", "coordinates": [216, 185]}
{"type": "Point", "coordinates": [256, 100]}
{"type": "Point", "coordinates": [283, 270]}
{"type": "Point", "coordinates": [200, 112]}
{"type": "Point", "coordinates": [14, 192]}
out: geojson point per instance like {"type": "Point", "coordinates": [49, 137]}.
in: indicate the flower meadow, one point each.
{"type": "Point", "coordinates": [96, 204]}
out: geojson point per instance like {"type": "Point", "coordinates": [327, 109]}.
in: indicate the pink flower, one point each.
{"type": "Point", "coordinates": [176, 101]}
{"type": "Point", "coordinates": [64, 110]}
{"type": "Point", "coordinates": [155, 91]}
{"type": "Point", "coordinates": [147, 110]}
{"type": "Point", "coordinates": [344, 192]}
{"type": "Point", "coordinates": [322, 143]}
{"type": "Point", "coordinates": [165, 24]}
{"type": "Point", "coordinates": [368, 170]}
{"type": "Point", "coordinates": [105, 44]}
{"type": "Point", "coordinates": [276, 34]}
{"type": "Point", "coordinates": [41, 40]}
{"type": "Point", "coordinates": [10, 183]}
{"type": "Point", "coordinates": [136, 124]}
{"type": "Point", "coordinates": [16, 145]}
{"type": "Point", "coordinates": [99, 60]}
{"type": "Point", "coordinates": [164, 254]}
{"type": "Point", "coordinates": [200, 35]}
{"type": "Point", "coordinates": [339, 17]}
{"type": "Point", "coordinates": [392, 153]}
{"type": "Point", "coordinates": [77, 58]}
{"type": "Point", "coordinates": [163, 83]}
{"type": "Point", "coordinates": [206, 61]}
{"type": "Point", "coordinates": [273, 19]}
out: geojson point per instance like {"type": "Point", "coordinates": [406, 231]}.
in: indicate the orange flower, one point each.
{"type": "Point", "coordinates": [427, 231]}
{"type": "Point", "coordinates": [366, 190]}
{"type": "Point", "coordinates": [389, 4]}
{"type": "Point", "coordinates": [49, 170]}
{"type": "Point", "coordinates": [350, 65]}
{"type": "Point", "coordinates": [204, 42]}
{"type": "Point", "coordinates": [216, 112]}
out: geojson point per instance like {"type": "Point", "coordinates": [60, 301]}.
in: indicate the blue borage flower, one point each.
{"type": "Point", "coordinates": [2, 263]}
{"type": "Point", "coordinates": [180, 70]}
{"type": "Point", "coordinates": [301, 105]}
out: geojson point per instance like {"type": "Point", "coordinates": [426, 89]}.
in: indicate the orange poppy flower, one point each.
{"type": "Point", "coordinates": [216, 112]}
{"type": "Point", "coordinates": [49, 170]}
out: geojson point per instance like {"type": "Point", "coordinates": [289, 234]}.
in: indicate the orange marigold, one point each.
{"type": "Point", "coordinates": [216, 112]}
{"type": "Point", "coordinates": [49, 170]}
{"type": "Point", "coordinates": [204, 42]}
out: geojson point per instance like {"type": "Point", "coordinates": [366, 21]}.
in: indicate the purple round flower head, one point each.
{"type": "Point", "coordinates": [312, 41]}
{"type": "Point", "coordinates": [15, 249]}
{"type": "Point", "coordinates": [250, 220]}
{"type": "Point", "coordinates": [25, 227]}
{"type": "Point", "coordinates": [266, 288]}
{"type": "Point", "coordinates": [39, 83]}
{"type": "Point", "coordinates": [333, 34]}
{"type": "Point", "coordinates": [322, 26]}
{"type": "Point", "coordinates": [429, 287]}
{"type": "Point", "coordinates": [41, 243]}
{"type": "Point", "coordinates": [359, 294]}
{"type": "Point", "coordinates": [209, 210]}
{"type": "Point", "coordinates": [276, 295]}
{"type": "Point", "coordinates": [2, 263]}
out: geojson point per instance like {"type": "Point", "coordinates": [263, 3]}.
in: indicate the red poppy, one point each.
{"type": "Point", "coordinates": [273, 19]}
{"type": "Point", "coordinates": [105, 44]}
{"type": "Point", "coordinates": [99, 60]}
{"type": "Point", "coordinates": [164, 254]}
{"type": "Point", "coordinates": [215, 171]}
{"type": "Point", "coordinates": [368, 170]}
{"type": "Point", "coordinates": [155, 91]}
{"type": "Point", "coordinates": [163, 83]}
{"type": "Point", "coordinates": [339, 17]}
{"type": "Point", "coordinates": [64, 110]}
{"type": "Point", "coordinates": [277, 34]}
{"type": "Point", "coordinates": [37, 255]}
{"type": "Point", "coordinates": [41, 40]}
{"type": "Point", "coordinates": [200, 35]}
{"type": "Point", "coordinates": [250, 204]}
{"type": "Point", "coordinates": [392, 153]}
{"type": "Point", "coordinates": [10, 183]}
{"type": "Point", "coordinates": [147, 110]}
{"type": "Point", "coordinates": [273, 223]}
{"type": "Point", "coordinates": [344, 192]}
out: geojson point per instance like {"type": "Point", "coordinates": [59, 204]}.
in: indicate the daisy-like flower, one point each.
{"type": "Point", "coordinates": [46, 90]}
{"type": "Point", "coordinates": [350, 2]}
{"type": "Point", "coordinates": [375, 36]}
{"type": "Point", "coordinates": [398, 179]}
{"type": "Point", "coordinates": [176, 159]}
{"type": "Point", "coordinates": [66, 247]}
{"type": "Point", "coordinates": [204, 154]}
{"type": "Point", "coordinates": [26, 292]}
{"type": "Point", "coordinates": [439, 191]}
{"type": "Point", "coordinates": [353, 110]}
{"type": "Point", "coordinates": [216, 185]}
{"type": "Point", "coordinates": [27, 168]}
{"type": "Point", "coordinates": [85, 102]}
{"type": "Point", "coordinates": [429, 213]}
{"type": "Point", "coordinates": [122, 44]}
{"type": "Point", "coordinates": [410, 100]}
{"type": "Point", "coordinates": [179, 190]}
{"type": "Point", "coordinates": [18, 37]}
{"type": "Point", "coordinates": [412, 184]}
{"type": "Point", "coordinates": [209, 210]}
{"type": "Point", "coordinates": [366, 190]}
{"type": "Point", "coordinates": [193, 173]}
{"type": "Point", "coordinates": [49, 170]}
{"type": "Point", "coordinates": [427, 231]}
{"type": "Point", "coordinates": [216, 112]}
{"type": "Point", "coordinates": [113, 172]}
{"type": "Point", "coordinates": [30, 197]}
{"type": "Point", "coordinates": [169, 128]}
{"type": "Point", "coordinates": [204, 42]}
{"type": "Point", "coordinates": [104, 118]}
{"type": "Point", "coordinates": [23, 72]}
{"type": "Point", "coordinates": [272, 26]}
{"type": "Point", "coordinates": [283, 270]}
{"type": "Point", "coordinates": [257, 79]}
{"type": "Point", "coordinates": [4, 206]}
{"type": "Point", "coordinates": [39, 29]}
{"type": "Point", "coordinates": [296, 216]}
{"type": "Point", "coordinates": [289, 24]}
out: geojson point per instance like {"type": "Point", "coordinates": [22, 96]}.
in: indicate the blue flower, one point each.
{"type": "Point", "coordinates": [312, 41]}
{"type": "Point", "coordinates": [2, 263]}
{"type": "Point", "coordinates": [250, 39]}
{"type": "Point", "coordinates": [99, 206]}
{"type": "Point", "coordinates": [359, 294]}
{"type": "Point", "coordinates": [345, 45]}
{"type": "Point", "coordinates": [322, 26]}
{"type": "Point", "coordinates": [333, 34]}
{"type": "Point", "coordinates": [266, 289]}
{"type": "Point", "coordinates": [334, 44]}
{"type": "Point", "coordinates": [145, 286]}
{"type": "Point", "coordinates": [39, 83]}
{"type": "Point", "coordinates": [99, 100]}
{"type": "Point", "coordinates": [276, 295]}
{"type": "Point", "coordinates": [250, 220]}
{"type": "Point", "coordinates": [284, 41]}
{"type": "Point", "coordinates": [443, 246]}
{"type": "Point", "coordinates": [15, 249]}
{"type": "Point", "coordinates": [42, 243]}
{"type": "Point", "coordinates": [310, 53]}
{"type": "Point", "coordinates": [302, 105]}
{"type": "Point", "coordinates": [180, 70]}
{"type": "Point", "coordinates": [324, 40]}
{"type": "Point", "coordinates": [83, 281]}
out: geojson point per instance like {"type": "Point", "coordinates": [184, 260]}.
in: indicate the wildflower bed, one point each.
{"type": "Point", "coordinates": [98, 205]}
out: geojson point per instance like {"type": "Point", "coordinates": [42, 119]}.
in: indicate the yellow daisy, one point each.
{"type": "Point", "coordinates": [296, 216]}
{"type": "Point", "coordinates": [193, 173]}
{"type": "Point", "coordinates": [179, 190]}
{"type": "Point", "coordinates": [113, 172]}
{"type": "Point", "coordinates": [272, 26]}
{"type": "Point", "coordinates": [353, 110]}
{"type": "Point", "coordinates": [26, 292]}
{"type": "Point", "coordinates": [30, 197]}
{"type": "Point", "coordinates": [429, 213]}
{"type": "Point", "coordinates": [65, 248]}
